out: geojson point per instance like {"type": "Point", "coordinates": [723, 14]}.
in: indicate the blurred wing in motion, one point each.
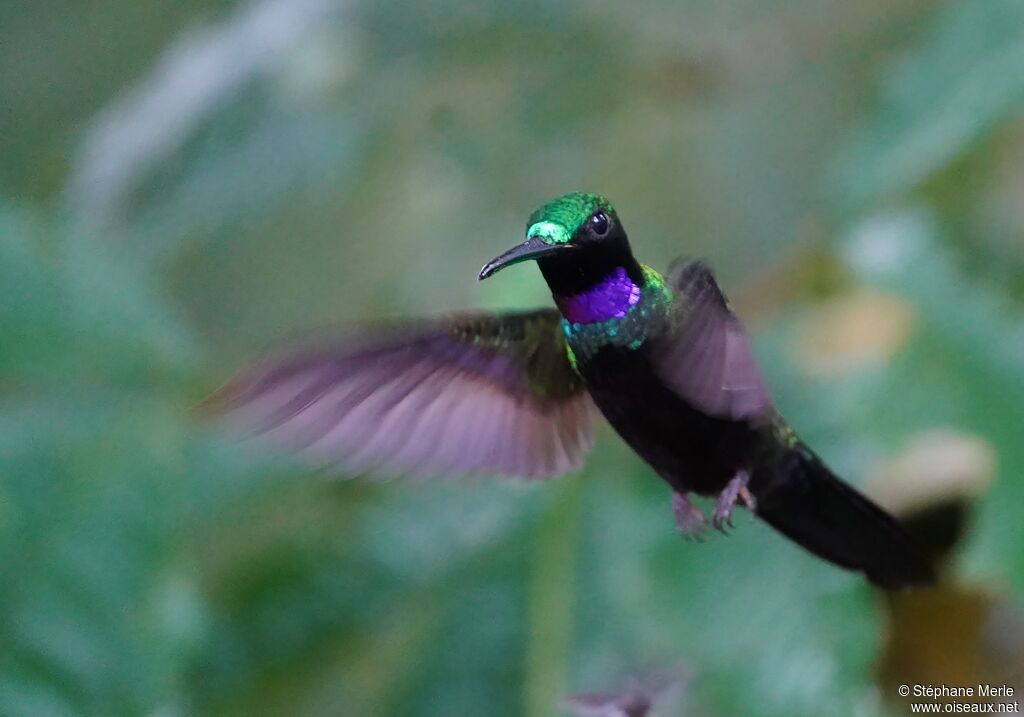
{"type": "Point", "coordinates": [706, 356]}
{"type": "Point", "coordinates": [607, 704]}
{"type": "Point", "coordinates": [471, 394]}
{"type": "Point", "coordinates": [635, 701]}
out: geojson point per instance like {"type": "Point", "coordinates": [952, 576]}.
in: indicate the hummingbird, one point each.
{"type": "Point", "coordinates": [661, 356]}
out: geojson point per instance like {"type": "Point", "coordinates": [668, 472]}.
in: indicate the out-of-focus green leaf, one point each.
{"type": "Point", "coordinates": [962, 370]}
{"type": "Point", "coordinates": [964, 78]}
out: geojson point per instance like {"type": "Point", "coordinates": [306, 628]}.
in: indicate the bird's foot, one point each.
{"type": "Point", "coordinates": [690, 521]}
{"type": "Point", "coordinates": [735, 491]}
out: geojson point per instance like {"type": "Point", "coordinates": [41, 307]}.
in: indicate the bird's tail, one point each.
{"type": "Point", "coordinates": [800, 497]}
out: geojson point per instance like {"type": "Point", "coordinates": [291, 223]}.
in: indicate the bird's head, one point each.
{"type": "Point", "coordinates": [571, 228]}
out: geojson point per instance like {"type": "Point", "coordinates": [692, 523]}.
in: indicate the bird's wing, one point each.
{"type": "Point", "coordinates": [606, 704]}
{"type": "Point", "coordinates": [704, 354]}
{"type": "Point", "coordinates": [471, 394]}
{"type": "Point", "coordinates": [635, 701]}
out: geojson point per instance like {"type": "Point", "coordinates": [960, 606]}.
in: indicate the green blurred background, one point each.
{"type": "Point", "coordinates": [183, 183]}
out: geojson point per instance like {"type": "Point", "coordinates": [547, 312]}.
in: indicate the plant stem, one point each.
{"type": "Point", "coordinates": [550, 600]}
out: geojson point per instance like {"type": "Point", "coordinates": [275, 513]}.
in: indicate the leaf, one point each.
{"type": "Point", "coordinates": [964, 78]}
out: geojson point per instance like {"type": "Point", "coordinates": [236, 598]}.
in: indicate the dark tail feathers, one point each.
{"type": "Point", "coordinates": [802, 499]}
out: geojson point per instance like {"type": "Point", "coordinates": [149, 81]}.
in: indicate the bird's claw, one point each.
{"type": "Point", "coordinates": [748, 499]}
{"type": "Point", "coordinates": [735, 491]}
{"type": "Point", "coordinates": [690, 521]}
{"type": "Point", "coordinates": [722, 522]}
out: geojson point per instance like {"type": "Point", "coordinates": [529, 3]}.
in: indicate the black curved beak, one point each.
{"type": "Point", "coordinates": [533, 248]}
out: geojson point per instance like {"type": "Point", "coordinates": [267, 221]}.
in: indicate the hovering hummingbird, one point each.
{"type": "Point", "coordinates": [662, 357]}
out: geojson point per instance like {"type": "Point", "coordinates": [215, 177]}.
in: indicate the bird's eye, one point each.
{"type": "Point", "coordinates": [599, 223]}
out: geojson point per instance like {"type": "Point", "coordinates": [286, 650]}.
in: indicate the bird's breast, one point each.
{"type": "Point", "coordinates": [690, 449]}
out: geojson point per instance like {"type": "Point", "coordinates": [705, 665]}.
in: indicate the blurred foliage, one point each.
{"type": "Point", "coordinates": [183, 183]}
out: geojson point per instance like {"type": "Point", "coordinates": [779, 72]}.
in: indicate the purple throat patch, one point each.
{"type": "Point", "coordinates": [612, 298]}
